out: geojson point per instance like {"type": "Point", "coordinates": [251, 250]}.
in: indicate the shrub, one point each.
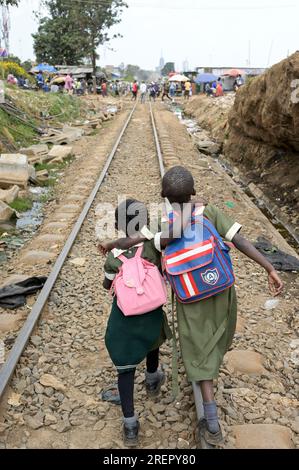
{"type": "Point", "coordinates": [11, 67]}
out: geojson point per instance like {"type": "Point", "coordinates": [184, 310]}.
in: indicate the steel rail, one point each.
{"type": "Point", "coordinates": [10, 364]}
{"type": "Point", "coordinates": [195, 386]}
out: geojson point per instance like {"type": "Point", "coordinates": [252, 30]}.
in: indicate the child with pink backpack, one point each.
{"type": "Point", "coordinates": [137, 325]}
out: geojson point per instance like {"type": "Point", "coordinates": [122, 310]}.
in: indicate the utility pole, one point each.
{"type": "Point", "coordinates": [249, 53]}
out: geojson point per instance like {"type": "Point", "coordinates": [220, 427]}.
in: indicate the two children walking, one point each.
{"type": "Point", "coordinates": [206, 299]}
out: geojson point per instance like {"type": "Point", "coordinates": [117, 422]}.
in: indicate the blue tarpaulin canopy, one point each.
{"type": "Point", "coordinates": [205, 78]}
{"type": "Point", "coordinates": [44, 68]}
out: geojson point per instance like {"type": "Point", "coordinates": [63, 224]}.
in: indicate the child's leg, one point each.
{"type": "Point", "coordinates": [131, 424]}
{"type": "Point", "coordinates": [154, 378]}
{"type": "Point", "coordinates": [210, 407]}
{"type": "Point", "coordinates": [126, 392]}
{"type": "Point", "coordinates": [152, 361]}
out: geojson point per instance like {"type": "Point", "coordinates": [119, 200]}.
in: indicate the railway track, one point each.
{"type": "Point", "coordinates": [67, 345]}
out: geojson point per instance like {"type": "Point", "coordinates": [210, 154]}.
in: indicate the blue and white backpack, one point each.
{"type": "Point", "coordinates": [198, 265]}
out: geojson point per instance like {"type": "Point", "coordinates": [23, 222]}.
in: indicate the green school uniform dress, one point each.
{"type": "Point", "coordinates": [206, 328]}
{"type": "Point", "coordinates": [130, 339]}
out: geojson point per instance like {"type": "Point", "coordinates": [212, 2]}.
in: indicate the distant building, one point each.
{"type": "Point", "coordinates": [185, 65]}
{"type": "Point", "coordinates": [161, 64]}
{"type": "Point", "coordinates": [251, 71]}
{"type": "Point", "coordinates": [228, 82]}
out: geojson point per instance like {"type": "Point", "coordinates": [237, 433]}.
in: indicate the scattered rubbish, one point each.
{"type": "Point", "coordinates": [30, 220]}
{"type": "Point", "coordinates": [271, 304]}
{"type": "Point", "coordinates": [14, 296]}
{"type": "Point", "coordinates": [280, 260]}
{"type": "Point", "coordinates": [112, 109]}
{"type": "Point", "coordinates": [230, 204]}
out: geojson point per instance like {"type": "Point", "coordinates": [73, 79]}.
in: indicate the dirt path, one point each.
{"type": "Point", "coordinates": [68, 343]}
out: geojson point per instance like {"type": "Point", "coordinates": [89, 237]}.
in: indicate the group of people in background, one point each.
{"type": "Point", "coordinates": [154, 90]}
{"type": "Point", "coordinates": [215, 89]}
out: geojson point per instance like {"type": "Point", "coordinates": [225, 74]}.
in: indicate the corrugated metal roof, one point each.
{"type": "Point", "coordinates": [75, 70]}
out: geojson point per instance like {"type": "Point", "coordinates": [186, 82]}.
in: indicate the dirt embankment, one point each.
{"type": "Point", "coordinates": [260, 131]}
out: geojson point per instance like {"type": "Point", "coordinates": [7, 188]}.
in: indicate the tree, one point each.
{"type": "Point", "coordinates": [58, 41]}
{"type": "Point", "coordinates": [9, 2]}
{"type": "Point", "coordinates": [12, 58]}
{"type": "Point", "coordinates": [74, 30]}
{"type": "Point", "coordinates": [27, 65]}
{"type": "Point", "coordinates": [168, 68]}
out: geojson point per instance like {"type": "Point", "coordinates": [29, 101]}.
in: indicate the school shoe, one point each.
{"type": "Point", "coordinates": [153, 388]}
{"type": "Point", "coordinates": [210, 438]}
{"type": "Point", "coordinates": [130, 434]}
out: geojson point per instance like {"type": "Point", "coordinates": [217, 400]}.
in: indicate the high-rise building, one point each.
{"type": "Point", "coordinates": [185, 66]}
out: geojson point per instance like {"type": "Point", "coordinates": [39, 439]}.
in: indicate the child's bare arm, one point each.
{"type": "Point", "coordinates": [180, 223]}
{"type": "Point", "coordinates": [120, 244]}
{"type": "Point", "coordinates": [243, 245]}
{"type": "Point", "coordinates": [107, 284]}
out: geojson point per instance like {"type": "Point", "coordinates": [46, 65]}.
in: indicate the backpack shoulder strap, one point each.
{"type": "Point", "coordinates": [137, 255]}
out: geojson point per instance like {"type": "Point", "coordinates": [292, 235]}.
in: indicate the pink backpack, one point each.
{"type": "Point", "coordinates": [139, 286]}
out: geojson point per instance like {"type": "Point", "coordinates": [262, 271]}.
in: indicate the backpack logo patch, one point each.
{"type": "Point", "coordinates": [211, 277]}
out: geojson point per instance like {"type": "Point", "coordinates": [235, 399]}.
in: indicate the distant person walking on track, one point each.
{"type": "Point", "coordinates": [165, 91]}
{"type": "Point", "coordinates": [206, 320]}
{"type": "Point", "coordinates": [152, 92]}
{"type": "Point", "coordinates": [143, 90]}
{"type": "Point", "coordinates": [172, 90]}
{"type": "Point", "coordinates": [188, 88]}
{"type": "Point", "coordinates": [134, 332]}
{"type": "Point", "coordinates": [134, 90]}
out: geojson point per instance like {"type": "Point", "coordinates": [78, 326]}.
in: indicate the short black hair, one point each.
{"type": "Point", "coordinates": [131, 216]}
{"type": "Point", "coordinates": [178, 185]}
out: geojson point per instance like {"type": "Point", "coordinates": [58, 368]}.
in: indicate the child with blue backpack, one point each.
{"type": "Point", "coordinates": [200, 272]}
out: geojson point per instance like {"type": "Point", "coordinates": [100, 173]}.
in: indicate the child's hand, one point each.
{"type": "Point", "coordinates": [275, 283]}
{"type": "Point", "coordinates": [105, 247]}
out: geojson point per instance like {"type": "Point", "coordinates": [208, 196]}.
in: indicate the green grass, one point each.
{"type": "Point", "coordinates": [50, 167]}
{"type": "Point", "coordinates": [21, 204]}
{"type": "Point", "coordinates": [41, 109]}
{"type": "Point", "coordinates": [22, 135]}
{"type": "Point", "coordinates": [49, 183]}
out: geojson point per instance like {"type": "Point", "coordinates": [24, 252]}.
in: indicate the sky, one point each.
{"type": "Point", "coordinates": [231, 33]}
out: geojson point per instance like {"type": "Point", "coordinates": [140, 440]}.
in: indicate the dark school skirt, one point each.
{"type": "Point", "coordinates": [130, 339]}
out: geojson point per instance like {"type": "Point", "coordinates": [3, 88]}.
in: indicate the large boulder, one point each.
{"type": "Point", "coordinates": [6, 212]}
{"type": "Point", "coordinates": [262, 436]}
{"type": "Point", "coordinates": [15, 170]}
{"type": "Point", "coordinates": [36, 153]}
{"type": "Point", "coordinates": [60, 152]}
{"type": "Point", "coordinates": [9, 195]}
